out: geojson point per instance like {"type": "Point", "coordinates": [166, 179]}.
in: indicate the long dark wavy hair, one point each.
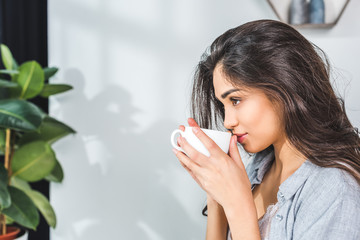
{"type": "Point", "coordinates": [295, 75]}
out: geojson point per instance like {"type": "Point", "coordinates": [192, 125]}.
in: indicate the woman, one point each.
{"type": "Point", "coordinates": [270, 87]}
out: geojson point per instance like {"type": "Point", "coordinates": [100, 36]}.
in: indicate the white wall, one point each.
{"type": "Point", "coordinates": [131, 64]}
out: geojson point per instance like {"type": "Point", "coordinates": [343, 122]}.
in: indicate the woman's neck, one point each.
{"type": "Point", "coordinates": [287, 160]}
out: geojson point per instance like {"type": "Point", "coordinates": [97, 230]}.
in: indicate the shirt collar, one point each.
{"type": "Point", "coordinates": [263, 166]}
{"type": "Point", "coordinates": [291, 185]}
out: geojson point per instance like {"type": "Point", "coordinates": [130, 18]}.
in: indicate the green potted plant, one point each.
{"type": "Point", "coordinates": [26, 137]}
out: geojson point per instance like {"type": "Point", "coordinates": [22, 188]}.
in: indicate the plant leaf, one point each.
{"type": "Point", "coordinates": [7, 84]}
{"type": "Point", "coordinates": [20, 115]}
{"type": "Point", "coordinates": [7, 58]}
{"type": "Point", "coordinates": [9, 72]}
{"type": "Point", "coordinates": [31, 79]}
{"type": "Point", "coordinates": [20, 184]}
{"type": "Point", "coordinates": [5, 200]}
{"type": "Point", "coordinates": [33, 161]}
{"type": "Point", "coordinates": [15, 92]}
{"type": "Point", "coordinates": [2, 140]}
{"type": "Point", "coordinates": [42, 203]}
{"type": "Point", "coordinates": [49, 131]}
{"type": "Point", "coordinates": [9, 89]}
{"type": "Point", "coordinates": [9, 220]}
{"type": "Point", "coordinates": [57, 174]}
{"type": "Point", "coordinates": [22, 210]}
{"type": "Point", "coordinates": [52, 89]}
{"type": "Point", "coordinates": [49, 72]}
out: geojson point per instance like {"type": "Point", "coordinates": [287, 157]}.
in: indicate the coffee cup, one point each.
{"type": "Point", "coordinates": [222, 139]}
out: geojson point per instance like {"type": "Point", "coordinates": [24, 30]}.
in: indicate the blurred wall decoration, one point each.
{"type": "Point", "coordinates": [309, 13]}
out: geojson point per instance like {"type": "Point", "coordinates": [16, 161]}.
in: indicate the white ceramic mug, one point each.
{"type": "Point", "coordinates": [222, 139]}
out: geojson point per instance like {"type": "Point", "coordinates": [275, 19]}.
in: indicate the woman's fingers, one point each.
{"type": "Point", "coordinates": [181, 128]}
{"type": "Point", "coordinates": [210, 145]}
{"type": "Point", "coordinates": [187, 162]}
{"type": "Point", "coordinates": [192, 123]}
{"type": "Point", "coordinates": [234, 152]}
{"type": "Point", "coordinates": [191, 174]}
{"type": "Point", "coordinates": [195, 156]}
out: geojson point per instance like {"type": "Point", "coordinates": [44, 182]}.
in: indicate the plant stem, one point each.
{"type": "Point", "coordinates": [7, 149]}
{"type": "Point", "coordinates": [3, 224]}
{"type": "Point", "coordinates": [7, 166]}
{"type": "Point", "coordinates": [12, 149]}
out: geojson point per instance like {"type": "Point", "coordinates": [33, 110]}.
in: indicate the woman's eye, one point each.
{"type": "Point", "coordinates": [235, 101]}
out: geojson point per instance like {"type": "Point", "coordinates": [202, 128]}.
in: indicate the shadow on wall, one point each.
{"type": "Point", "coordinates": [123, 186]}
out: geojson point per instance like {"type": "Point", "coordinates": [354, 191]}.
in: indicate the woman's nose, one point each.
{"type": "Point", "coordinates": [230, 121]}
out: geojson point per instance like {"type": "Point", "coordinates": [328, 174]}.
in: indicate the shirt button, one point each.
{"type": "Point", "coordinates": [279, 217]}
{"type": "Point", "coordinates": [281, 197]}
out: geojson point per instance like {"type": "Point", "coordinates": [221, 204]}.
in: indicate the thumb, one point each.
{"type": "Point", "coordinates": [234, 152]}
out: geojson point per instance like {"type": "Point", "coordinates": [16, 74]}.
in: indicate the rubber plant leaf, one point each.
{"type": "Point", "coordinates": [20, 115]}
{"type": "Point", "coordinates": [22, 209]}
{"type": "Point", "coordinates": [9, 72]}
{"type": "Point", "coordinates": [57, 174]}
{"type": "Point", "coordinates": [2, 141]}
{"type": "Point", "coordinates": [33, 161]}
{"type": "Point", "coordinates": [20, 184]}
{"type": "Point", "coordinates": [9, 90]}
{"type": "Point", "coordinates": [49, 131]}
{"type": "Point", "coordinates": [5, 200]}
{"type": "Point", "coordinates": [9, 220]}
{"type": "Point", "coordinates": [7, 84]}
{"type": "Point", "coordinates": [15, 92]}
{"type": "Point", "coordinates": [40, 201]}
{"type": "Point", "coordinates": [7, 58]}
{"type": "Point", "coordinates": [31, 79]}
{"type": "Point", "coordinates": [52, 89]}
{"type": "Point", "coordinates": [49, 72]}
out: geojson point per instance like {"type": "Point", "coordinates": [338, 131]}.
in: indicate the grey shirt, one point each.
{"type": "Point", "coordinates": [313, 203]}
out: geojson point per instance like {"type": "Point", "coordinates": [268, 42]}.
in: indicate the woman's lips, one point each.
{"type": "Point", "coordinates": [241, 137]}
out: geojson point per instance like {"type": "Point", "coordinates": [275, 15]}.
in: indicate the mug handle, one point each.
{"type": "Point", "coordinates": [172, 139]}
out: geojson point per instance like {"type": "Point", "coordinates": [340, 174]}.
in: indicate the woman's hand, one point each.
{"type": "Point", "coordinates": [224, 179]}
{"type": "Point", "coordinates": [222, 176]}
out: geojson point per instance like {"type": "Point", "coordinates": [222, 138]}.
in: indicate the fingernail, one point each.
{"type": "Point", "coordinates": [174, 150]}
{"type": "Point", "coordinates": [234, 139]}
{"type": "Point", "coordinates": [196, 129]}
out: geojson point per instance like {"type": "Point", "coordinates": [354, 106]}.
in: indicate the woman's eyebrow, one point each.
{"type": "Point", "coordinates": [225, 94]}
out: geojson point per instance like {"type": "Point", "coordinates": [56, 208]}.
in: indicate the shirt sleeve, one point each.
{"type": "Point", "coordinates": [332, 216]}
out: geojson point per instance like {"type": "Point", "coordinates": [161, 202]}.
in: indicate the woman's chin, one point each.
{"type": "Point", "coordinates": [248, 148]}
{"type": "Point", "coordinates": [252, 149]}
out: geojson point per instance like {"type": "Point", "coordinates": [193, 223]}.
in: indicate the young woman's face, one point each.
{"type": "Point", "coordinates": [249, 114]}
